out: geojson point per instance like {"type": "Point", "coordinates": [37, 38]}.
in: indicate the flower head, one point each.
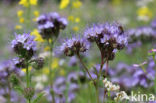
{"type": "Point", "coordinates": [50, 24]}
{"type": "Point", "coordinates": [24, 45]}
{"type": "Point", "coordinates": [108, 37]}
{"type": "Point", "coordinates": [74, 45]}
{"type": "Point", "coordinates": [64, 4]}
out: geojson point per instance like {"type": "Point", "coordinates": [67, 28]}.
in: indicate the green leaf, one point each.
{"type": "Point", "coordinates": [19, 89]}
{"type": "Point", "coordinates": [39, 96]}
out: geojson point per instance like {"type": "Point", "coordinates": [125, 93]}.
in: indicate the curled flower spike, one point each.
{"type": "Point", "coordinates": [24, 45]}
{"type": "Point", "coordinates": [50, 24]}
{"type": "Point", "coordinates": [108, 37]}
{"type": "Point", "coordinates": [74, 46]}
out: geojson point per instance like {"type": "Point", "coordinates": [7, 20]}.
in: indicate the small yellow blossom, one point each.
{"type": "Point", "coordinates": [71, 18]}
{"type": "Point", "coordinates": [47, 48]}
{"type": "Point", "coordinates": [29, 68]}
{"type": "Point", "coordinates": [36, 13]}
{"type": "Point", "coordinates": [20, 13]}
{"type": "Point", "coordinates": [33, 2]}
{"type": "Point", "coordinates": [77, 19]}
{"type": "Point", "coordinates": [50, 40]}
{"type": "Point", "coordinates": [27, 3]}
{"type": "Point", "coordinates": [75, 28]}
{"type": "Point", "coordinates": [18, 27]}
{"type": "Point", "coordinates": [21, 20]}
{"type": "Point", "coordinates": [37, 35]}
{"type": "Point", "coordinates": [64, 4]}
{"type": "Point", "coordinates": [77, 4]}
{"type": "Point", "coordinates": [144, 13]}
{"type": "Point", "coordinates": [55, 63]}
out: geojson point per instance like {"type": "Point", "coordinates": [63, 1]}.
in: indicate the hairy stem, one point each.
{"type": "Point", "coordinates": [86, 69]}
{"type": "Point", "coordinates": [95, 83]}
{"type": "Point", "coordinates": [50, 71]}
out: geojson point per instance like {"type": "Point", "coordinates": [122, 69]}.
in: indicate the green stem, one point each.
{"type": "Point", "coordinates": [86, 69]}
{"type": "Point", "coordinates": [50, 70]}
{"type": "Point", "coordinates": [27, 76]}
{"type": "Point", "coordinates": [95, 83]}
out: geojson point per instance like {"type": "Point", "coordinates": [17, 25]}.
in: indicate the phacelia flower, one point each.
{"type": "Point", "coordinates": [144, 33]}
{"type": "Point", "coordinates": [49, 25]}
{"type": "Point", "coordinates": [108, 37]}
{"type": "Point", "coordinates": [153, 24]}
{"type": "Point", "coordinates": [24, 45]}
{"type": "Point", "coordinates": [74, 46]}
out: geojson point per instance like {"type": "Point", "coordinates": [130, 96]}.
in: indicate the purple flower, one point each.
{"type": "Point", "coordinates": [74, 46]}
{"type": "Point", "coordinates": [153, 24]}
{"type": "Point", "coordinates": [145, 33]}
{"type": "Point", "coordinates": [108, 37]}
{"type": "Point", "coordinates": [24, 45]}
{"type": "Point", "coordinates": [50, 24]}
{"type": "Point", "coordinates": [73, 61]}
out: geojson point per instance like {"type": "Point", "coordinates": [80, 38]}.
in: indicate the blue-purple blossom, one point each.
{"type": "Point", "coordinates": [74, 46]}
{"type": "Point", "coordinates": [24, 45]}
{"type": "Point", "coordinates": [153, 24]}
{"type": "Point", "coordinates": [108, 37]}
{"type": "Point", "coordinates": [144, 33]}
{"type": "Point", "coordinates": [49, 25]}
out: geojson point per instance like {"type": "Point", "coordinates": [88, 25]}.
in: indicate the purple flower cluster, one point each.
{"type": "Point", "coordinates": [108, 37]}
{"type": "Point", "coordinates": [153, 24]}
{"type": "Point", "coordinates": [24, 45]}
{"type": "Point", "coordinates": [74, 46]}
{"type": "Point", "coordinates": [6, 69]}
{"type": "Point", "coordinates": [50, 24]}
{"type": "Point", "coordinates": [15, 97]}
{"type": "Point", "coordinates": [145, 33]}
{"type": "Point", "coordinates": [130, 76]}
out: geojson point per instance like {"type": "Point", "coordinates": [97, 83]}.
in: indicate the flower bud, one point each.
{"type": "Point", "coordinates": [29, 93]}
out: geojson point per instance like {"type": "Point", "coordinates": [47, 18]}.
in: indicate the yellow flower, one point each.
{"type": "Point", "coordinates": [47, 48]}
{"type": "Point", "coordinates": [144, 13]}
{"type": "Point", "coordinates": [36, 13]}
{"type": "Point", "coordinates": [77, 4]}
{"type": "Point", "coordinates": [55, 63]}
{"type": "Point", "coordinates": [37, 35]}
{"type": "Point", "coordinates": [71, 18]}
{"type": "Point", "coordinates": [64, 4]}
{"type": "Point", "coordinates": [18, 27]}
{"type": "Point", "coordinates": [77, 20]}
{"type": "Point", "coordinates": [21, 20]}
{"type": "Point", "coordinates": [33, 2]}
{"type": "Point", "coordinates": [20, 13]}
{"type": "Point", "coordinates": [75, 28]}
{"type": "Point", "coordinates": [24, 3]}
{"type": "Point", "coordinates": [29, 68]}
{"type": "Point", "coordinates": [27, 3]}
